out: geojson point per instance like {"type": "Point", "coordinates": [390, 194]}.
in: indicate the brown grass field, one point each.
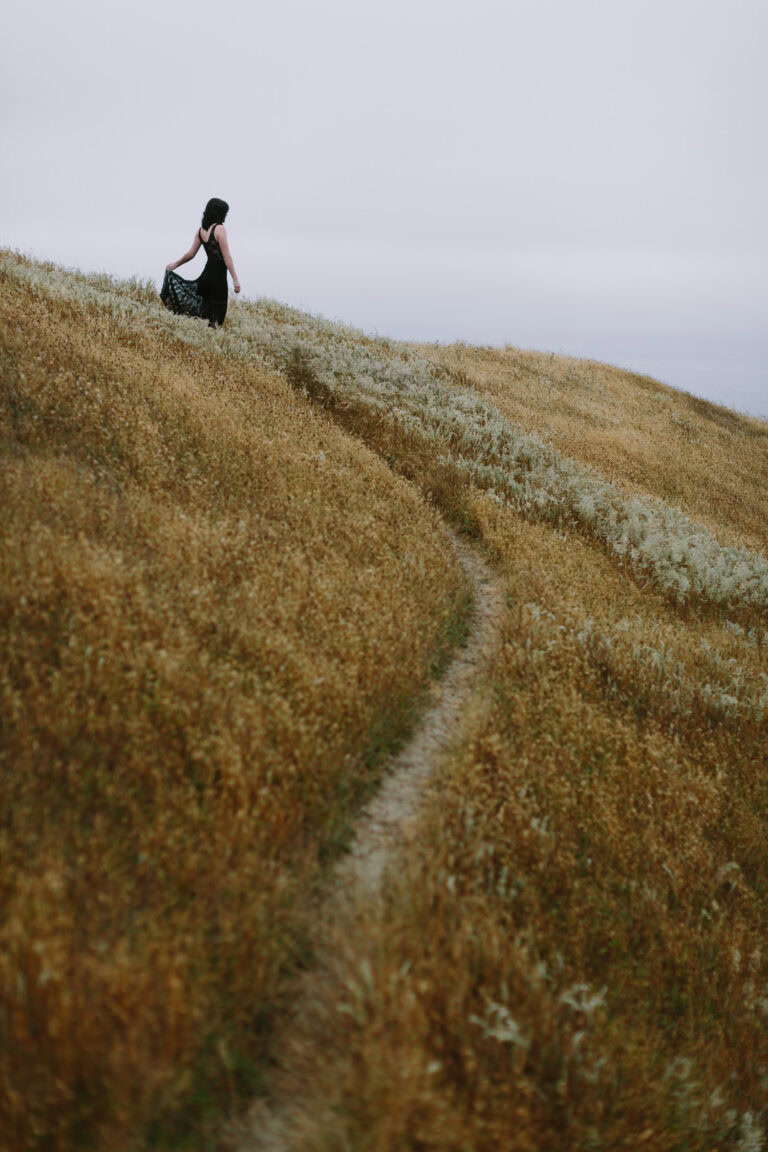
{"type": "Point", "coordinates": [575, 956]}
{"type": "Point", "coordinates": [647, 437]}
{"type": "Point", "coordinates": [216, 610]}
{"type": "Point", "coordinates": [572, 955]}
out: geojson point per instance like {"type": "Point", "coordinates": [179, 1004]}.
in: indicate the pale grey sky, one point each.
{"type": "Point", "coordinates": [582, 176]}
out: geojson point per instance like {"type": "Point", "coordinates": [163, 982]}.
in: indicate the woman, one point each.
{"type": "Point", "coordinates": [207, 296]}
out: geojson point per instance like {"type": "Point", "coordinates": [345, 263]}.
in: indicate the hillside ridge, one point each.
{"type": "Point", "coordinates": [225, 589]}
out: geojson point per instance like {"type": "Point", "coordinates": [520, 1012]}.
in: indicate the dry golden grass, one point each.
{"type": "Point", "coordinates": [637, 432]}
{"type": "Point", "coordinates": [216, 608]}
{"type": "Point", "coordinates": [575, 956]}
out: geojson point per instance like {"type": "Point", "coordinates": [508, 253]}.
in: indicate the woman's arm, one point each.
{"type": "Point", "coordinates": [187, 255]}
{"type": "Point", "coordinates": [221, 236]}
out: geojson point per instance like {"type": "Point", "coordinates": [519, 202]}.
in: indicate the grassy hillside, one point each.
{"type": "Point", "coordinates": [643, 435]}
{"type": "Point", "coordinates": [216, 608]}
{"type": "Point", "coordinates": [573, 954]}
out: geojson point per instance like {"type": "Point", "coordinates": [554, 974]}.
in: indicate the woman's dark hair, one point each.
{"type": "Point", "coordinates": [215, 212]}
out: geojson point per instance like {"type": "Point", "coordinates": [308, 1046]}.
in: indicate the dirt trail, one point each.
{"type": "Point", "coordinates": [380, 834]}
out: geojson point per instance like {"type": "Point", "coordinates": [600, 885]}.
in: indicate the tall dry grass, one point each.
{"type": "Point", "coordinates": [574, 956]}
{"type": "Point", "coordinates": [216, 609]}
{"type": "Point", "coordinates": [649, 438]}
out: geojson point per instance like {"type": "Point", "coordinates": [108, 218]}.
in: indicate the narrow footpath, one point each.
{"type": "Point", "coordinates": [380, 834]}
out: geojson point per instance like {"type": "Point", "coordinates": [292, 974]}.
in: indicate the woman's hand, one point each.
{"type": "Point", "coordinates": [170, 267]}
{"type": "Point", "coordinates": [237, 285]}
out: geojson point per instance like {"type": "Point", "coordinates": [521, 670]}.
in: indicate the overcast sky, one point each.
{"type": "Point", "coordinates": [583, 176]}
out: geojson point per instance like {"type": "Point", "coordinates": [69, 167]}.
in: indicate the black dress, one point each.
{"type": "Point", "coordinates": [205, 297]}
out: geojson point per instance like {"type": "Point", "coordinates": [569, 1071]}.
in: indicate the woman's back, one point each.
{"type": "Point", "coordinates": [212, 282]}
{"type": "Point", "coordinates": [211, 244]}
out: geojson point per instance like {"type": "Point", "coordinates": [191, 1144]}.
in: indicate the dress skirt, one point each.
{"type": "Point", "coordinates": [185, 297]}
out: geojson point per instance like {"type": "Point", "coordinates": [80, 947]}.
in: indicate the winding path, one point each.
{"type": "Point", "coordinates": [380, 834]}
